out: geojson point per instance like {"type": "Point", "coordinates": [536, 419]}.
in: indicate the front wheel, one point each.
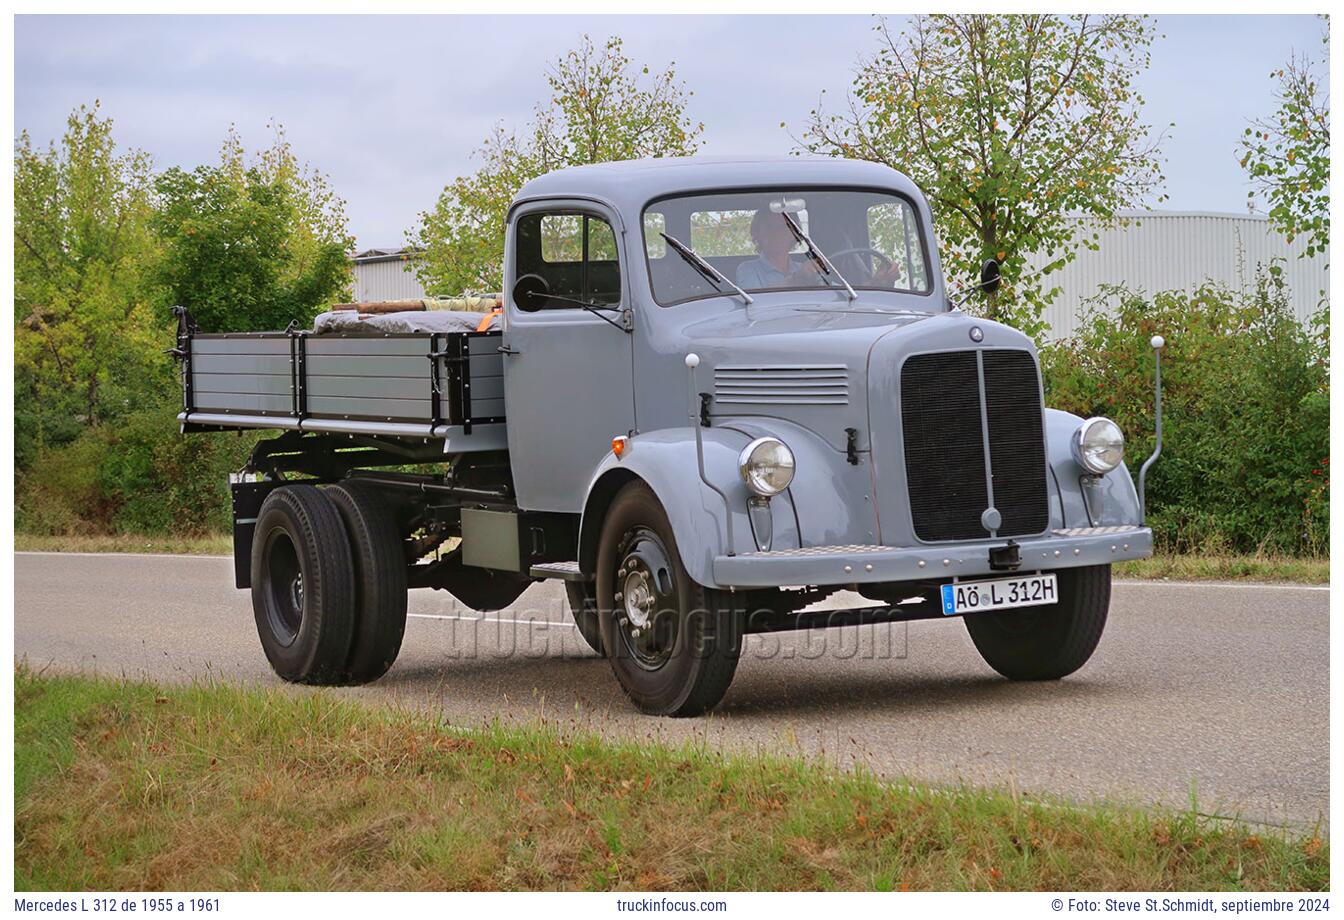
{"type": "Point", "coordinates": [1047, 643]}
{"type": "Point", "coordinates": [583, 607]}
{"type": "Point", "coordinates": [672, 643]}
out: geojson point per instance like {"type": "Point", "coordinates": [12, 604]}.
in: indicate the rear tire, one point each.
{"type": "Point", "coordinates": [583, 607]}
{"type": "Point", "coordinates": [1047, 643]}
{"type": "Point", "coordinates": [302, 589]}
{"type": "Point", "coordinates": [379, 578]}
{"type": "Point", "coordinates": [672, 643]}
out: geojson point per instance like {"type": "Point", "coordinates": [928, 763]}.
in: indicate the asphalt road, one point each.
{"type": "Point", "coordinates": [1223, 689]}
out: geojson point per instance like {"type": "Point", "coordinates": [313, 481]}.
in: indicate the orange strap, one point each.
{"type": "Point", "coordinates": [484, 324]}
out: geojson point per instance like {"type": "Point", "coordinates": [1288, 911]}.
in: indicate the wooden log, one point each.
{"type": "Point", "coordinates": [474, 304]}
{"type": "Point", "coordinates": [383, 306]}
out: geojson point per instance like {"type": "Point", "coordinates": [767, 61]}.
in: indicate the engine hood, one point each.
{"type": "Point", "coordinates": [806, 362]}
{"type": "Point", "coordinates": [836, 371]}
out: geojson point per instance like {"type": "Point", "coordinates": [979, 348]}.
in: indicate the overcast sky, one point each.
{"type": "Point", "coordinates": [391, 107]}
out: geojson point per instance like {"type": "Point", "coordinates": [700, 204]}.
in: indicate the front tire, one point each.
{"type": "Point", "coordinates": [672, 643]}
{"type": "Point", "coordinates": [1047, 643]}
{"type": "Point", "coordinates": [303, 593]}
{"type": "Point", "coordinates": [583, 606]}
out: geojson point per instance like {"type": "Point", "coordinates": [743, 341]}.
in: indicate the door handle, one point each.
{"type": "Point", "coordinates": [506, 350]}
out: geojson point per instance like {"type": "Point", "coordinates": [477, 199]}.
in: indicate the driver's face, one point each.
{"type": "Point", "coordinates": [774, 236]}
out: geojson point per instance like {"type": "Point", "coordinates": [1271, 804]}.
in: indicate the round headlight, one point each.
{"type": "Point", "coordinates": [1098, 445]}
{"type": "Point", "coordinates": [767, 466]}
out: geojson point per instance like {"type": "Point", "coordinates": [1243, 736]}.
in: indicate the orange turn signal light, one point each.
{"type": "Point", "coordinates": [618, 446]}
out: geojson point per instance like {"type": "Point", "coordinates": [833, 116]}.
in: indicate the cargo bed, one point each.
{"type": "Point", "coordinates": [445, 386]}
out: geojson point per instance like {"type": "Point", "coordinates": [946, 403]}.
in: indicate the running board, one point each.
{"type": "Point", "coordinates": [565, 571]}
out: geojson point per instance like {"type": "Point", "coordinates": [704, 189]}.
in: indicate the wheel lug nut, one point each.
{"type": "Point", "coordinates": [635, 632]}
{"type": "Point", "coordinates": [619, 595]}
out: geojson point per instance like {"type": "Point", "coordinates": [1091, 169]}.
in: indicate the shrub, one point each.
{"type": "Point", "coordinates": [139, 476]}
{"type": "Point", "coordinates": [1246, 405]}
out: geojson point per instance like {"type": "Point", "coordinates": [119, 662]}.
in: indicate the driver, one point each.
{"type": "Point", "coordinates": [776, 266]}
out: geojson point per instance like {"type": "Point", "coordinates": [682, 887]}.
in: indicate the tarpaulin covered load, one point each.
{"type": "Point", "coordinates": [405, 321]}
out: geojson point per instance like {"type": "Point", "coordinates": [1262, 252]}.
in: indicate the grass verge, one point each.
{"type": "Point", "coordinates": [1228, 568]}
{"type": "Point", "coordinates": [211, 545]}
{"type": "Point", "coordinates": [130, 786]}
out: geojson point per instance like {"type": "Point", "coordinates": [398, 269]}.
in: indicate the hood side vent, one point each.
{"type": "Point", "coordinates": [782, 384]}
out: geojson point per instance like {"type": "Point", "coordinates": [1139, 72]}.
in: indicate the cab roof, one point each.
{"type": "Point", "coordinates": [631, 184]}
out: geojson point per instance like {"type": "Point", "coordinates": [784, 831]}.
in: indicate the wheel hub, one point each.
{"type": "Point", "coordinates": [647, 606]}
{"type": "Point", "coordinates": [638, 595]}
{"type": "Point", "coordinates": [296, 592]}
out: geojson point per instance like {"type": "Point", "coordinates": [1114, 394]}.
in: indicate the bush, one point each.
{"type": "Point", "coordinates": [139, 476]}
{"type": "Point", "coordinates": [1246, 407]}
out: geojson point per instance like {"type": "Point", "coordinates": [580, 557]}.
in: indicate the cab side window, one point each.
{"type": "Point", "coordinates": [574, 256]}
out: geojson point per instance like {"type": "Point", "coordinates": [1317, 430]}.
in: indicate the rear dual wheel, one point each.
{"type": "Point", "coordinates": [328, 584]}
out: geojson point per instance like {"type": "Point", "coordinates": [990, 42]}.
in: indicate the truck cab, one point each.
{"type": "Point", "coordinates": [722, 389]}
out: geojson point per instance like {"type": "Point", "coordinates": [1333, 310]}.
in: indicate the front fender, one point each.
{"type": "Point", "coordinates": [829, 502]}
{"type": "Point", "coordinates": [701, 519]}
{"type": "Point", "coordinates": [1081, 499]}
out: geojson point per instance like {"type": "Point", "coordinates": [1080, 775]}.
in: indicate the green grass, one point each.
{"type": "Point", "coordinates": [1228, 568]}
{"type": "Point", "coordinates": [210, 545]}
{"type": "Point", "coordinates": [1175, 567]}
{"type": "Point", "coordinates": [131, 786]}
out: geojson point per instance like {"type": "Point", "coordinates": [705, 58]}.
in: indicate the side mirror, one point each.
{"type": "Point", "coordinates": [989, 276]}
{"type": "Point", "coordinates": [529, 293]}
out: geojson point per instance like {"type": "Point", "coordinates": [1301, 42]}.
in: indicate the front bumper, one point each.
{"type": "Point", "coordinates": [843, 565]}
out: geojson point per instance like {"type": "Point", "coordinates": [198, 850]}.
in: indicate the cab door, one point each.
{"type": "Point", "coordinates": [568, 376]}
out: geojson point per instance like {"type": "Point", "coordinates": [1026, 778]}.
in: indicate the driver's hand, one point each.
{"type": "Point", "coordinates": [808, 274]}
{"type": "Point", "coordinates": [888, 275]}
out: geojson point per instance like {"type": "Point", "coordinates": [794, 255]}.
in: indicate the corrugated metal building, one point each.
{"type": "Point", "coordinates": [386, 274]}
{"type": "Point", "coordinates": [1177, 250]}
{"type": "Point", "coordinates": [1150, 251]}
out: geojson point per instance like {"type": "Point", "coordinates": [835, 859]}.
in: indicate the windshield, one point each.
{"type": "Point", "coordinates": [871, 238]}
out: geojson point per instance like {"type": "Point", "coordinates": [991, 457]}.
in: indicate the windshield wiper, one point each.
{"type": "Point", "coordinates": [817, 255]}
{"type": "Point", "coordinates": [711, 273]}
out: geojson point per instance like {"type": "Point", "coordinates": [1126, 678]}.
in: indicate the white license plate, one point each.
{"type": "Point", "coordinates": [1000, 594]}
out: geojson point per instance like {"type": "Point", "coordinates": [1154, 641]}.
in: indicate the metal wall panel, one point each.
{"type": "Point", "coordinates": [386, 279]}
{"type": "Point", "coordinates": [1169, 251]}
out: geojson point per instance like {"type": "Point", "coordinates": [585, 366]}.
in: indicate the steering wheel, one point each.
{"type": "Point", "coordinates": [858, 252]}
{"type": "Point", "coordinates": [530, 293]}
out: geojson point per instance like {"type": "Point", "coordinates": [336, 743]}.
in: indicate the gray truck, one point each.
{"type": "Point", "coordinates": [719, 391]}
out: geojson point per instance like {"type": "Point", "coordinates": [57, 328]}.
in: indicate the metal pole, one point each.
{"type": "Point", "coordinates": [1157, 342]}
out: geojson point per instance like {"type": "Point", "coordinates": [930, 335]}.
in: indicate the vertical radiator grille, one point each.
{"type": "Point", "coordinates": [945, 427]}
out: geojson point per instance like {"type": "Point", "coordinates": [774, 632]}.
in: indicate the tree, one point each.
{"type": "Point", "coordinates": [1011, 125]}
{"type": "Point", "coordinates": [601, 108]}
{"type": "Point", "coordinates": [86, 312]}
{"type": "Point", "coordinates": [1288, 154]}
{"type": "Point", "coordinates": [254, 242]}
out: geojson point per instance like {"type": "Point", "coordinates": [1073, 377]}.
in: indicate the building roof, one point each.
{"type": "Point", "coordinates": [389, 254]}
{"type": "Point", "coordinates": [630, 184]}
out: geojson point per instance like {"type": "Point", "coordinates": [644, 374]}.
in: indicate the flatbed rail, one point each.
{"type": "Point", "coordinates": [442, 386]}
